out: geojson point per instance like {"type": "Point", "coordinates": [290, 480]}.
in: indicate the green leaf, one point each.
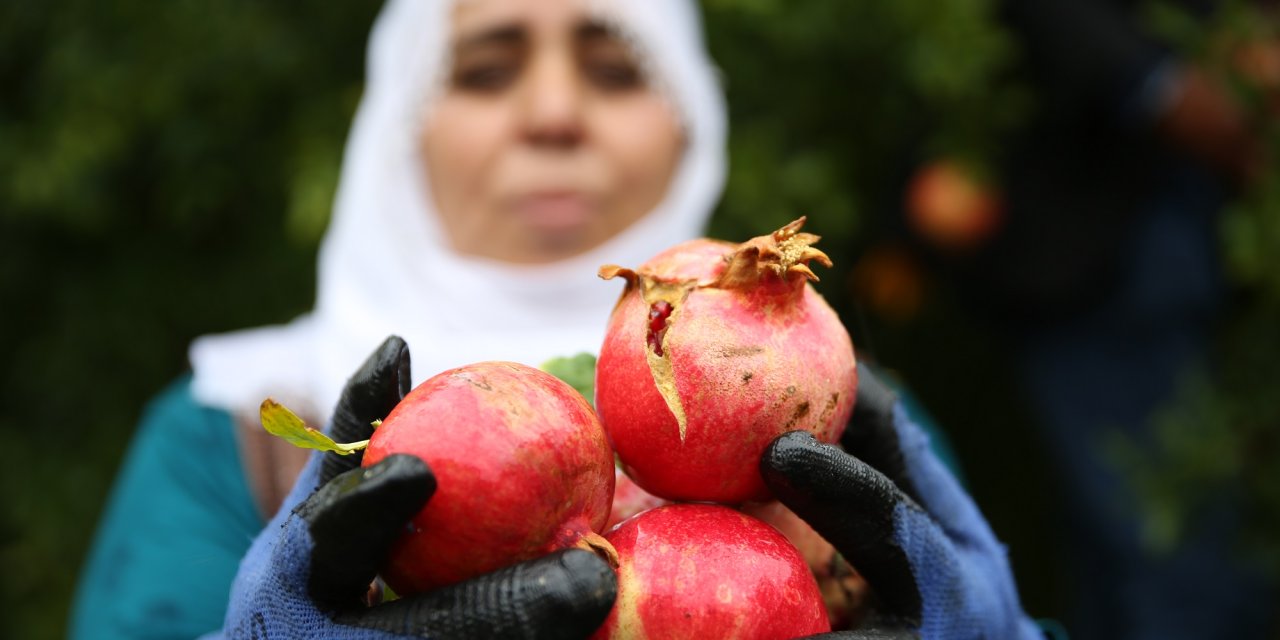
{"type": "Point", "coordinates": [579, 371]}
{"type": "Point", "coordinates": [279, 421]}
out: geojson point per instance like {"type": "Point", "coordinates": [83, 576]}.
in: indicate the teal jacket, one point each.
{"type": "Point", "coordinates": [178, 520]}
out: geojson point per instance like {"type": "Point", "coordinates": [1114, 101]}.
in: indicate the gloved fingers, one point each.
{"type": "Point", "coordinates": [872, 436]}
{"type": "Point", "coordinates": [370, 394]}
{"type": "Point", "coordinates": [853, 506]}
{"type": "Point", "coordinates": [566, 594]}
{"type": "Point", "coordinates": [881, 434]}
{"type": "Point", "coordinates": [354, 519]}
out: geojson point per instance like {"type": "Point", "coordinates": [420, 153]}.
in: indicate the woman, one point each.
{"type": "Point", "coordinates": [493, 166]}
{"type": "Point", "coordinates": [502, 151]}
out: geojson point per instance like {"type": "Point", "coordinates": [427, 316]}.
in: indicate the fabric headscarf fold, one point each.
{"type": "Point", "coordinates": [385, 266]}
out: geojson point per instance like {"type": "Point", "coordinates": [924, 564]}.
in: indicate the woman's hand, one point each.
{"type": "Point", "coordinates": [903, 521]}
{"type": "Point", "coordinates": [309, 572]}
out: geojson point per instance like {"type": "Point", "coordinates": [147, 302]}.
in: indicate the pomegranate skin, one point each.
{"type": "Point", "coordinates": [844, 591]}
{"type": "Point", "coordinates": [746, 354]}
{"type": "Point", "coordinates": [708, 571]}
{"type": "Point", "coordinates": [522, 464]}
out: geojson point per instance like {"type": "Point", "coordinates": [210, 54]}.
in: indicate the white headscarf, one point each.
{"type": "Point", "coordinates": [385, 267]}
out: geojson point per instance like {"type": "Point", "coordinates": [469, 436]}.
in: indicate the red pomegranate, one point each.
{"type": "Point", "coordinates": [844, 591]}
{"type": "Point", "coordinates": [708, 571]}
{"type": "Point", "coordinates": [522, 464]}
{"type": "Point", "coordinates": [714, 350]}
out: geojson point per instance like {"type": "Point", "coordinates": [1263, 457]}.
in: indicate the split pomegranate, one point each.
{"type": "Point", "coordinates": [522, 464]}
{"type": "Point", "coordinates": [714, 350]}
{"type": "Point", "coordinates": [708, 571]}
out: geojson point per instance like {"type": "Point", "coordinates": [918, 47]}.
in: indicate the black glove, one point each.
{"type": "Point", "coordinates": [896, 513]}
{"type": "Point", "coordinates": [309, 572]}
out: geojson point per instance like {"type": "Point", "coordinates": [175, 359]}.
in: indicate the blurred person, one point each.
{"type": "Point", "coordinates": [502, 151]}
{"type": "Point", "coordinates": [1105, 278]}
{"type": "Point", "coordinates": [500, 155]}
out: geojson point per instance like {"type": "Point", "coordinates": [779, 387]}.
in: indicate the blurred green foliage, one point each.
{"type": "Point", "coordinates": [578, 370]}
{"type": "Point", "coordinates": [833, 103]}
{"type": "Point", "coordinates": [1218, 441]}
{"type": "Point", "coordinates": [166, 171]}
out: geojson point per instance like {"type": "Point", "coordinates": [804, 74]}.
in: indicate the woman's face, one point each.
{"type": "Point", "coordinates": [548, 140]}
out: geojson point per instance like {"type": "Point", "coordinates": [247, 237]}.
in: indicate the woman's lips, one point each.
{"type": "Point", "coordinates": [554, 211]}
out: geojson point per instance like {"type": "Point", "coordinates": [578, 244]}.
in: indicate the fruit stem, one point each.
{"type": "Point", "coordinates": [599, 545]}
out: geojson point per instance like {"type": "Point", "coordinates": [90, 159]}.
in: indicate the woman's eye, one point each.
{"type": "Point", "coordinates": [613, 76]}
{"type": "Point", "coordinates": [485, 77]}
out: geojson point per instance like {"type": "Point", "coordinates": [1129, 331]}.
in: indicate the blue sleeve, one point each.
{"type": "Point", "coordinates": [939, 442]}
{"type": "Point", "coordinates": [178, 520]}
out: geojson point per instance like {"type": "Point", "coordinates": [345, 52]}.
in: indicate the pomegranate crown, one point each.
{"type": "Point", "coordinates": [785, 253]}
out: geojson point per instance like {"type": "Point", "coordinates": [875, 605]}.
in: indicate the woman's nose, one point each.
{"type": "Point", "coordinates": [553, 103]}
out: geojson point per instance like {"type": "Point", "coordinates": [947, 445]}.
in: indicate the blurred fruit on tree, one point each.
{"type": "Point", "coordinates": [1219, 440]}
{"type": "Point", "coordinates": [951, 207]}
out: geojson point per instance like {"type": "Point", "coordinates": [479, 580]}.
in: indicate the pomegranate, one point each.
{"type": "Point", "coordinates": [844, 591]}
{"type": "Point", "coordinates": [523, 467]}
{"type": "Point", "coordinates": [951, 207]}
{"type": "Point", "coordinates": [708, 571]}
{"type": "Point", "coordinates": [712, 351]}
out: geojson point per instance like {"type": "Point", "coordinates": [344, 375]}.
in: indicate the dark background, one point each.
{"type": "Point", "coordinates": [166, 171]}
